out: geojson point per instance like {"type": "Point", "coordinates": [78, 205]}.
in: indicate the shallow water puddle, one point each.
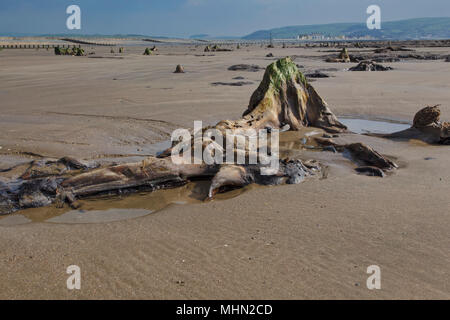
{"type": "Point", "coordinates": [96, 216]}
{"type": "Point", "coordinates": [104, 209]}
{"type": "Point", "coordinates": [299, 140]}
{"type": "Point", "coordinates": [373, 126]}
{"type": "Point", "coordinates": [301, 145]}
{"type": "Point", "coordinates": [101, 209]}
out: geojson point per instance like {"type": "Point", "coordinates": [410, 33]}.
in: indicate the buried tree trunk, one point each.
{"type": "Point", "coordinates": [343, 57]}
{"type": "Point", "coordinates": [284, 99]}
{"type": "Point", "coordinates": [148, 175]}
{"type": "Point", "coordinates": [426, 127]}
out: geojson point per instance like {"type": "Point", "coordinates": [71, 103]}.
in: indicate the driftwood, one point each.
{"type": "Point", "coordinates": [284, 100]}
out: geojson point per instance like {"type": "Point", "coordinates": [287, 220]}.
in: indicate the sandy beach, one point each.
{"type": "Point", "coordinates": [312, 240]}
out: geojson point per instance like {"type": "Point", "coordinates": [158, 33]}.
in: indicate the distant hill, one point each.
{"type": "Point", "coordinates": [420, 28]}
{"type": "Point", "coordinates": [199, 36]}
{"type": "Point", "coordinates": [208, 37]}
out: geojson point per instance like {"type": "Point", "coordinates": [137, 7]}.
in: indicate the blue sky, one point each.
{"type": "Point", "coordinates": [187, 17]}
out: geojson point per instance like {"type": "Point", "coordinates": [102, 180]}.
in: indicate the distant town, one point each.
{"type": "Point", "coordinates": [322, 37]}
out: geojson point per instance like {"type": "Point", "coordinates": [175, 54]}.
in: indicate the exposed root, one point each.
{"type": "Point", "coordinates": [370, 161]}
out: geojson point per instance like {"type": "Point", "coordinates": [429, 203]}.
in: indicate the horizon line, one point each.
{"type": "Point", "coordinates": [26, 34]}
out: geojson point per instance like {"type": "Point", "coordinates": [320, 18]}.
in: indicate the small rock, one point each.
{"type": "Point", "coordinates": [370, 171]}
{"type": "Point", "coordinates": [330, 148]}
{"type": "Point", "coordinates": [285, 128]}
{"type": "Point", "coordinates": [317, 74]}
{"type": "Point", "coordinates": [179, 69]}
{"type": "Point", "coordinates": [233, 84]}
{"type": "Point", "coordinates": [245, 67]}
{"type": "Point", "coordinates": [324, 141]}
{"type": "Point", "coordinates": [427, 116]}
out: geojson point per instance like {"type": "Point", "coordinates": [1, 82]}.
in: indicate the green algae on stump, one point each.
{"type": "Point", "coordinates": [344, 55]}
{"type": "Point", "coordinates": [150, 51]}
{"type": "Point", "coordinates": [285, 97]}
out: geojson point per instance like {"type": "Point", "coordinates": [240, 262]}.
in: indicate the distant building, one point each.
{"type": "Point", "coordinates": [322, 37]}
{"type": "Point", "coordinates": [313, 36]}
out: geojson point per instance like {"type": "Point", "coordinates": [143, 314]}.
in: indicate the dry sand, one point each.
{"type": "Point", "coordinates": [312, 240]}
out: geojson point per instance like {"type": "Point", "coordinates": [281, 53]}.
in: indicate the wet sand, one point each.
{"type": "Point", "coordinates": [312, 240]}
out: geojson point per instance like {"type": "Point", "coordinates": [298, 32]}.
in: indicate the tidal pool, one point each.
{"type": "Point", "coordinates": [373, 126]}
{"type": "Point", "coordinates": [105, 208]}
